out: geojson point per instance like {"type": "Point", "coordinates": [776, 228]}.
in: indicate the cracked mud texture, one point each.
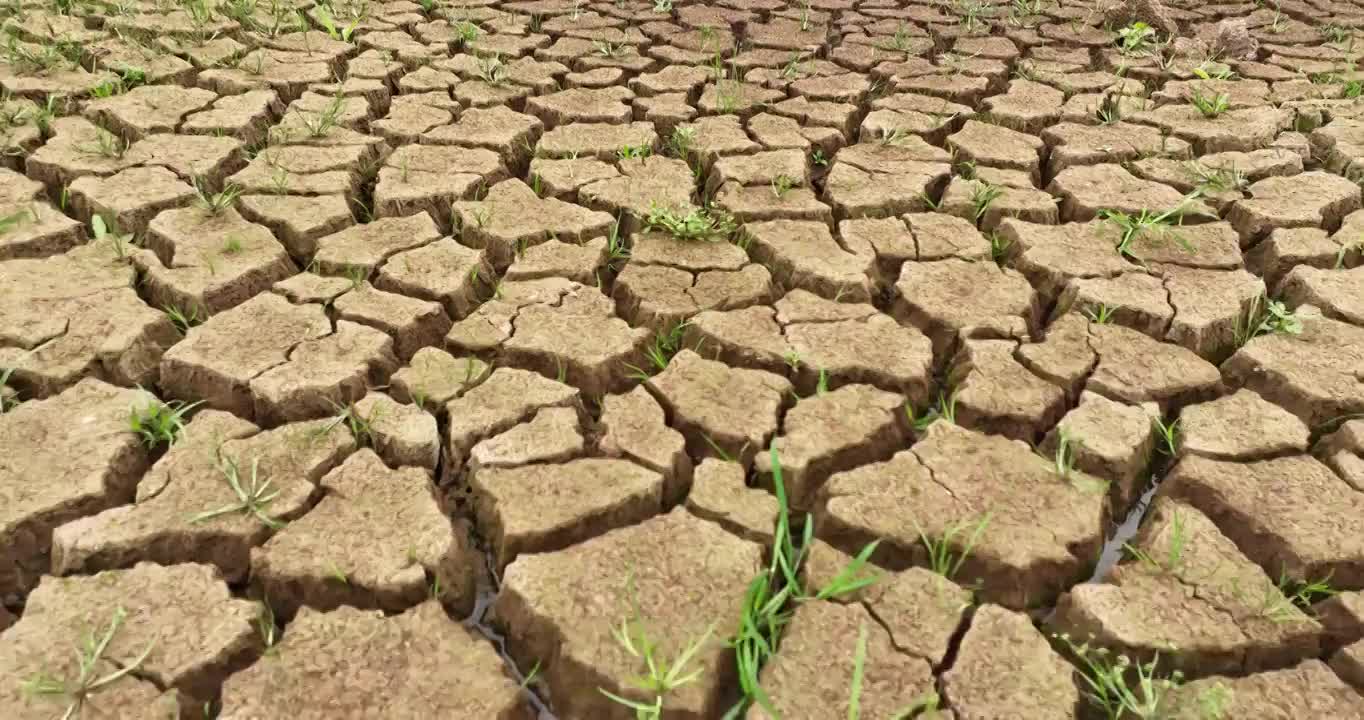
{"type": "Point", "coordinates": [484, 328]}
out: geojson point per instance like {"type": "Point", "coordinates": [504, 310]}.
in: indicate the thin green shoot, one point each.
{"type": "Point", "coordinates": [1210, 107]}
{"type": "Point", "coordinates": [1167, 436]}
{"type": "Point", "coordinates": [941, 557]}
{"type": "Point", "coordinates": [1264, 316]}
{"type": "Point", "coordinates": [254, 495]}
{"type": "Point", "coordinates": [183, 320]}
{"type": "Point", "coordinates": [159, 423]}
{"type": "Point", "coordinates": [697, 224]}
{"type": "Point", "coordinates": [76, 692]}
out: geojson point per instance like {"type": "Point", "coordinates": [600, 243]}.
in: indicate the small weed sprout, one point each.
{"type": "Point", "coordinates": [1173, 561]}
{"type": "Point", "coordinates": [266, 627]}
{"type": "Point", "coordinates": [698, 224]}
{"type": "Point", "coordinates": [663, 6]}
{"type": "Point", "coordinates": [1146, 223]}
{"type": "Point", "coordinates": [1167, 434]}
{"type": "Point", "coordinates": [159, 423]}
{"type": "Point", "coordinates": [318, 124]}
{"type": "Point", "coordinates": [999, 247]}
{"type": "Point", "coordinates": [1210, 107]}
{"type": "Point", "coordinates": [1136, 38]}
{"type": "Point", "coordinates": [1110, 109]}
{"type": "Point", "coordinates": [634, 152]}
{"type": "Point", "coordinates": [106, 145]}
{"type": "Point", "coordinates": [608, 49]}
{"type": "Point", "coordinates": [215, 203]}
{"type": "Point", "coordinates": [783, 184]}
{"type": "Point", "coordinates": [1100, 314]}
{"type": "Point", "coordinates": [7, 402]}
{"type": "Point", "coordinates": [1119, 687]}
{"type": "Point", "coordinates": [818, 158]}
{"type": "Point", "coordinates": [894, 136]}
{"type": "Point", "coordinates": [982, 196]}
{"type": "Point", "coordinates": [76, 692]}
{"type": "Point", "coordinates": [1264, 316]}
{"type": "Point", "coordinates": [14, 220]}
{"type": "Point", "coordinates": [941, 559]}
{"type": "Point", "coordinates": [662, 676]}
{"type": "Point", "coordinates": [466, 31]}
{"type": "Point", "coordinates": [1064, 460]}
{"type": "Point", "coordinates": [183, 320]}
{"type": "Point", "coordinates": [1216, 179]}
{"type": "Point", "coordinates": [253, 495]}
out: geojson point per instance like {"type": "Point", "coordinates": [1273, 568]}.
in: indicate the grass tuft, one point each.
{"type": "Point", "coordinates": [159, 423]}
{"type": "Point", "coordinates": [77, 691]}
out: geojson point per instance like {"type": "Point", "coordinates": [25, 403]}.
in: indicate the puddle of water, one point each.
{"type": "Point", "coordinates": [1112, 550]}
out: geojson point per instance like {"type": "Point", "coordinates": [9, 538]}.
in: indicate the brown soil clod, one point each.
{"type": "Point", "coordinates": [1005, 666]}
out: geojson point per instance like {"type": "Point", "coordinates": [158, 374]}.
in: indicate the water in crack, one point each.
{"type": "Point", "coordinates": [477, 622]}
{"type": "Point", "coordinates": [1113, 546]}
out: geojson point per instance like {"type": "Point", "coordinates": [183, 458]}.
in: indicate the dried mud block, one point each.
{"type": "Point", "coordinates": [509, 133]}
{"type": "Point", "coordinates": [192, 479]}
{"type": "Point", "coordinates": [70, 456]}
{"type": "Point", "coordinates": [309, 288]}
{"type": "Point", "coordinates": [1210, 306]}
{"type": "Point", "coordinates": [365, 247]}
{"type": "Point", "coordinates": [673, 574]}
{"type": "Point", "coordinates": [1308, 690]}
{"type": "Point", "coordinates": [660, 294]}
{"type": "Point", "coordinates": [995, 393]}
{"type": "Point", "coordinates": [1085, 190]}
{"type": "Point", "coordinates": [805, 255]}
{"type": "Point", "coordinates": [954, 299]}
{"type": "Point", "coordinates": [1006, 668]}
{"type": "Point", "coordinates": [194, 634]}
{"type": "Point", "coordinates": [831, 432]}
{"type": "Point", "coordinates": [148, 109]}
{"type": "Point", "coordinates": [998, 495]}
{"type": "Point", "coordinates": [1193, 590]}
{"type": "Point", "coordinates": [34, 228]}
{"type": "Point", "coordinates": [434, 377]}
{"type": "Point", "coordinates": [298, 221]}
{"type": "Point", "coordinates": [512, 217]}
{"type": "Point", "coordinates": [634, 426]}
{"type": "Point", "coordinates": [406, 122]}
{"type": "Point", "coordinates": [507, 398]}
{"type": "Point", "coordinates": [1243, 129]}
{"type": "Point", "coordinates": [601, 141]}
{"type": "Point", "coordinates": [1314, 199]}
{"type": "Point", "coordinates": [938, 236]}
{"type": "Point", "coordinates": [764, 168]}
{"type": "Point", "coordinates": [413, 324]}
{"type": "Point", "coordinates": [1291, 515]}
{"type": "Point", "coordinates": [719, 494]}
{"type": "Point", "coordinates": [77, 147]}
{"type": "Point", "coordinates": [203, 263]}
{"type": "Point", "coordinates": [869, 347]}
{"type": "Point", "coordinates": [323, 374]}
{"type": "Point", "coordinates": [1026, 106]}
{"type": "Point", "coordinates": [1052, 257]}
{"type": "Point", "coordinates": [492, 324]}
{"type": "Point", "coordinates": [1343, 451]}
{"type": "Point", "coordinates": [371, 542]}
{"type": "Point", "coordinates": [427, 178]}
{"type": "Point", "coordinates": [1314, 374]}
{"type": "Point", "coordinates": [1073, 144]}
{"type": "Point", "coordinates": [1342, 616]}
{"type": "Point", "coordinates": [246, 117]}
{"type": "Point", "coordinates": [76, 314]}
{"type": "Point", "coordinates": [1241, 426]}
{"type": "Point", "coordinates": [561, 179]}
{"type": "Point", "coordinates": [644, 184]}
{"type": "Point", "coordinates": [304, 170]}
{"type": "Point", "coordinates": [1109, 440]}
{"type": "Point", "coordinates": [603, 105]}
{"type": "Point", "coordinates": [810, 676]}
{"type": "Point", "coordinates": [997, 147]}
{"type": "Point", "coordinates": [884, 180]}
{"type": "Point", "coordinates": [1338, 293]}
{"type": "Point", "coordinates": [217, 360]}
{"type": "Point", "coordinates": [403, 435]}
{"type": "Point", "coordinates": [552, 258]}
{"type": "Point", "coordinates": [554, 434]}
{"type": "Point", "coordinates": [1134, 368]}
{"type": "Point", "coordinates": [1348, 662]}
{"type": "Point", "coordinates": [580, 341]}
{"type": "Point", "coordinates": [1131, 299]}
{"type": "Point", "coordinates": [1286, 249]}
{"type": "Point", "coordinates": [205, 158]}
{"type": "Point", "coordinates": [546, 507]}
{"type": "Point", "coordinates": [443, 271]}
{"type": "Point", "coordinates": [720, 409]}
{"type": "Point", "coordinates": [359, 661]}
{"type": "Point", "coordinates": [966, 199]}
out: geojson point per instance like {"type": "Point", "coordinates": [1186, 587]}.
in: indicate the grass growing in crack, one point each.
{"type": "Point", "coordinates": [1264, 316]}
{"type": "Point", "coordinates": [1064, 458]}
{"type": "Point", "coordinates": [254, 495]}
{"type": "Point", "coordinates": [766, 607]}
{"type": "Point", "coordinates": [634, 152]}
{"type": "Point", "coordinates": [1167, 435]}
{"type": "Point", "coordinates": [215, 203]}
{"type": "Point", "coordinates": [982, 197]}
{"type": "Point", "coordinates": [999, 247]}
{"type": "Point", "coordinates": [1288, 600]}
{"type": "Point", "coordinates": [183, 320]}
{"type": "Point", "coordinates": [1216, 179]}
{"type": "Point", "coordinates": [1136, 38]}
{"type": "Point", "coordinates": [1100, 314]}
{"type": "Point", "coordinates": [1210, 107]}
{"type": "Point", "coordinates": [266, 627]}
{"type": "Point", "coordinates": [320, 123]}
{"type": "Point", "coordinates": [783, 184]}
{"type": "Point", "coordinates": [945, 409]}
{"type": "Point", "coordinates": [1146, 223]}
{"type": "Point", "coordinates": [76, 692]}
{"type": "Point", "coordinates": [941, 559]}
{"type": "Point", "coordinates": [660, 352]}
{"type": "Point", "coordinates": [1174, 554]}
{"type": "Point", "coordinates": [662, 676]}
{"type": "Point", "coordinates": [159, 423]}
{"type": "Point", "coordinates": [361, 427]}
{"type": "Point", "coordinates": [698, 224]}
{"type": "Point", "coordinates": [1121, 688]}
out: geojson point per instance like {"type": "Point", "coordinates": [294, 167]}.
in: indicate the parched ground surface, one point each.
{"type": "Point", "coordinates": [496, 325]}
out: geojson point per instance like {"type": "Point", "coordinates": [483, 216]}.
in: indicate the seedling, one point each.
{"type": "Point", "coordinates": [76, 692]}
{"type": "Point", "coordinates": [941, 559]}
{"type": "Point", "coordinates": [1100, 314]}
{"type": "Point", "coordinates": [1064, 460]}
{"type": "Point", "coordinates": [681, 142]}
{"type": "Point", "coordinates": [1216, 179]}
{"type": "Point", "coordinates": [254, 495]}
{"type": "Point", "coordinates": [608, 49]}
{"type": "Point", "coordinates": [106, 145]}
{"type": "Point", "coordinates": [663, 6]}
{"type": "Point", "coordinates": [945, 409]}
{"type": "Point", "coordinates": [159, 423]}
{"type": "Point", "coordinates": [662, 676]}
{"type": "Point", "coordinates": [859, 664]}
{"type": "Point", "coordinates": [214, 203]}
{"type": "Point", "coordinates": [782, 184]}
{"type": "Point", "coordinates": [318, 124]}
{"type": "Point", "coordinates": [1136, 38]}
{"type": "Point", "coordinates": [1167, 435]}
{"type": "Point", "coordinates": [1110, 109]}
{"type": "Point", "coordinates": [1264, 316]}
{"type": "Point", "coordinates": [634, 152]}
{"type": "Point", "coordinates": [466, 31]}
{"type": "Point", "coordinates": [982, 196]}
{"type": "Point", "coordinates": [14, 220]}
{"type": "Point", "coordinates": [266, 627]}
{"type": "Point", "coordinates": [1144, 223]}
{"type": "Point", "coordinates": [1210, 108]}
{"type": "Point", "coordinates": [1109, 684]}
{"type": "Point", "coordinates": [999, 247]}
{"type": "Point", "coordinates": [1218, 72]}
{"type": "Point", "coordinates": [818, 158]}
{"type": "Point", "coordinates": [660, 352]}
{"type": "Point", "coordinates": [1173, 561]}
{"type": "Point", "coordinates": [698, 224]}
{"type": "Point", "coordinates": [183, 320]}
{"type": "Point", "coordinates": [108, 231]}
{"type": "Point", "coordinates": [324, 18]}
{"type": "Point", "coordinates": [492, 70]}
{"type": "Point", "coordinates": [1337, 34]}
{"type": "Point", "coordinates": [894, 136]}
{"type": "Point", "coordinates": [361, 427]}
